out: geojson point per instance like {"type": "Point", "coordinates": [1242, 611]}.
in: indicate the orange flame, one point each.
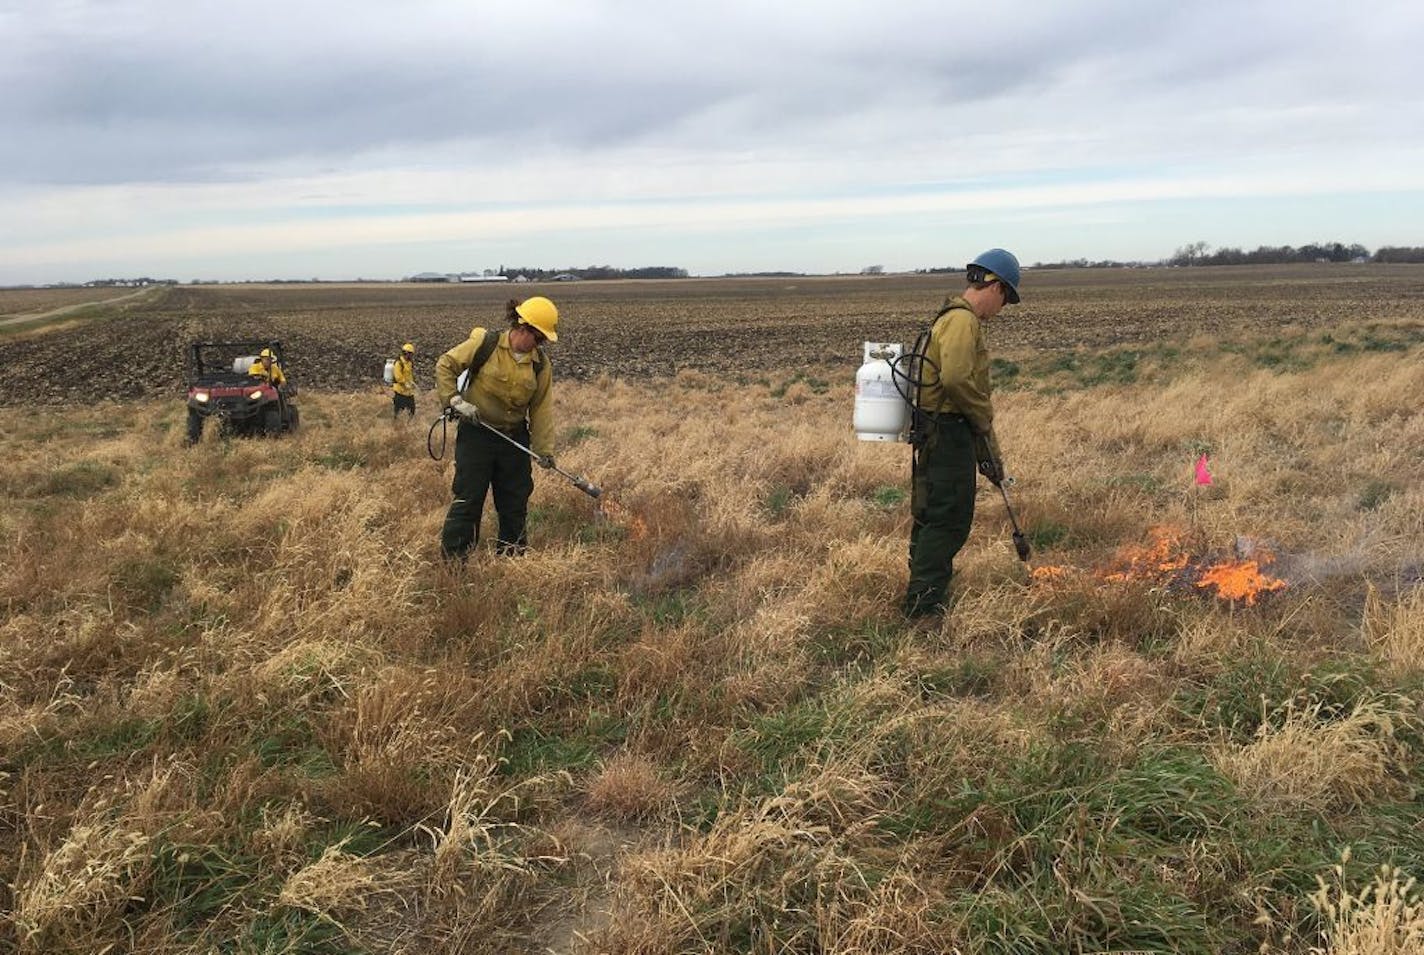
{"type": "Point", "coordinates": [1166, 561]}
{"type": "Point", "coordinates": [1164, 556]}
{"type": "Point", "coordinates": [614, 512]}
{"type": "Point", "coordinates": [1239, 580]}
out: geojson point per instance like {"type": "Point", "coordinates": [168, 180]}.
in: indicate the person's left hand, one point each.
{"type": "Point", "coordinates": [546, 461]}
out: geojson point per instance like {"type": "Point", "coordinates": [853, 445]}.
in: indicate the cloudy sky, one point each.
{"type": "Point", "coordinates": [255, 139]}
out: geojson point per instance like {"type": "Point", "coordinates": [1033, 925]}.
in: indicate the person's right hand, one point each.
{"type": "Point", "coordinates": [993, 470]}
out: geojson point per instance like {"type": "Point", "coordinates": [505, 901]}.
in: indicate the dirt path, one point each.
{"type": "Point", "coordinates": [66, 309]}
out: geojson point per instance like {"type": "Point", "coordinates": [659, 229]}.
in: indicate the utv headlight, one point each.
{"type": "Point", "coordinates": [255, 394]}
{"type": "Point", "coordinates": [201, 397]}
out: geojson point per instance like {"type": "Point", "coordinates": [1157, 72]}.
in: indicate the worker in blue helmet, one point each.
{"type": "Point", "coordinates": [954, 428]}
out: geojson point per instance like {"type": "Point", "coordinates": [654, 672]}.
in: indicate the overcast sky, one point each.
{"type": "Point", "coordinates": [254, 139]}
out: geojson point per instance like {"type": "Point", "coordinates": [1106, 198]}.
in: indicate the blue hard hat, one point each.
{"type": "Point", "coordinates": [1005, 268]}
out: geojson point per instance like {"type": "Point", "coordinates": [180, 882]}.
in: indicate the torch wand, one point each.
{"type": "Point", "coordinates": [1020, 541]}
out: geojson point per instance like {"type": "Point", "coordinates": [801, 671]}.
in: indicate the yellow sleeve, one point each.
{"type": "Point", "coordinates": [449, 365]}
{"type": "Point", "coordinates": [958, 350]}
{"type": "Point", "coordinates": [541, 412]}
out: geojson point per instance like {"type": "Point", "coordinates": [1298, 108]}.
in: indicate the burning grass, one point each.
{"type": "Point", "coordinates": [1167, 561]}
{"type": "Point", "coordinates": [246, 708]}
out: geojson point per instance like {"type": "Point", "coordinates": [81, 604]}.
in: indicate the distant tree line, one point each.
{"type": "Point", "coordinates": [1196, 254]}
{"type": "Point", "coordinates": [596, 272]}
{"type": "Point", "coordinates": [1200, 253]}
{"type": "Point", "coordinates": [1400, 253]}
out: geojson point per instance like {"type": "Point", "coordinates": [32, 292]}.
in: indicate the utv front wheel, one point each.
{"type": "Point", "coordinates": [195, 427]}
{"type": "Point", "coordinates": [272, 421]}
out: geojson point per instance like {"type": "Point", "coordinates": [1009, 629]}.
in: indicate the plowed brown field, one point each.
{"type": "Point", "coordinates": [337, 336]}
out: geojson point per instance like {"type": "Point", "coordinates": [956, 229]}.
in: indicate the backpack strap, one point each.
{"type": "Point", "coordinates": [482, 354]}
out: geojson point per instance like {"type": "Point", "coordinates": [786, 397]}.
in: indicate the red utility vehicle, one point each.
{"type": "Point", "coordinates": [221, 387]}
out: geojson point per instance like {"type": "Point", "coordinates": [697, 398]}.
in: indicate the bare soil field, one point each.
{"type": "Point", "coordinates": [16, 302]}
{"type": "Point", "coordinates": [338, 335]}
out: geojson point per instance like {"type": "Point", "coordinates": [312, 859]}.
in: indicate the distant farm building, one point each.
{"type": "Point", "coordinates": [431, 277]}
{"type": "Point", "coordinates": [472, 277]}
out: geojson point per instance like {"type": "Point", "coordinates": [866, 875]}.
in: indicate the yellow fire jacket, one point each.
{"type": "Point", "coordinates": [962, 386]}
{"type": "Point", "coordinates": [505, 390]}
{"type": "Point", "coordinates": [276, 376]}
{"type": "Point", "coordinates": [404, 375]}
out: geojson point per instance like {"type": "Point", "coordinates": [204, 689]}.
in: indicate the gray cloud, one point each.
{"type": "Point", "coordinates": [162, 125]}
{"type": "Point", "coordinates": [115, 92]}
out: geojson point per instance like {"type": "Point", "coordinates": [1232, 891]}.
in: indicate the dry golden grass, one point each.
{"type": "Point", "coordinates": [245, 707]}
{"type": "Point", "coordinates": [1305, 760]}
{"type": "Point", "coordinates": [1383, 917]}
{"type": "Point", "coordinates": [1395, 630]}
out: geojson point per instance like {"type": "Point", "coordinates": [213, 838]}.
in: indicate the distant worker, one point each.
{"type": "Point", "coordinates": [266, 366]}
{"type": "Point", "coordinates": [510, 388]}
{"type": "Point", "coordinates": [954, 428]}
{"type": "Point", "coordinates": [403, 382]}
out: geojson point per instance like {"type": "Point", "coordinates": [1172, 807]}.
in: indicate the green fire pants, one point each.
{"type": "Point", "coordinates": [941, 509]}
{"type": "Point", "coordinates": [484, 460]}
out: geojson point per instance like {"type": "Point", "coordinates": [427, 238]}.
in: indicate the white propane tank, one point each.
{"type": "Point", "coordinates": [390, 374]}
{"type": "Point", "coordinates": [243, 364]}
{"type": "Point", "coordinates": [880, 413]}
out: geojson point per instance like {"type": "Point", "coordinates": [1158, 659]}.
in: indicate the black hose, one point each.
{"type": "Point", "coordinates": [444, 422]}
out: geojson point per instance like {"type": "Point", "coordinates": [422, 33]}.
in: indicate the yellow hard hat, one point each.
{"type": "Point", "coordinates": [408, 347]}
{"type": "Point", "coordinates": [266, 353]}
{"type": "Point", "coordinates": [540, 313]}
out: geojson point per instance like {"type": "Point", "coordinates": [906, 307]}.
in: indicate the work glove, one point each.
{"type": "Point", "coordinates": [464, 409]}
{"type": "Point", "coordinates": [546, 461]}
{"type": "Point", "coordinates": [993, 470]}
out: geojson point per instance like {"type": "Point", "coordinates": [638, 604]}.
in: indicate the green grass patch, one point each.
{"type": "Point", "coordinates": [343, 457]}
{"type": "Point", "coordinates": [888, 496]}
{"type": "Point", "coordinates": [779, 500]}
{"type": "Point", "coordinates": [576, 435]}
{"type": "Point", "coordinates": [856, 644]}
{"type": "Point", "coordinates": [1146, 483]}
{"type": "Point", "coordinates": [290, 932]}
{"type": "Point", "coordinates": [1375, 493]}
{"type": "Point", "coordinates": [818, 386]}
{"type": "Point", "coordinates": [289, 741]}
{"type": "Point", "coordinates": [81, 480]}
{"type": "Point", "coordinates": [1280, 355]}
{"type": "Point", "coordinates": [1004, 373]}
{"type": "Point", "coordinates": [672, 608]}
{"type": "Point", "coordinates": [142, 582]}
{"type": "Point", "coordinates": [1113, 368]}
{"type": "Point", "coordinates": [357, 837]}
{"type": "Point", "coordinates": [197, 882]}
{"type": "Point", "coordinates": [975, 675]}
{"type": "Point", "coordinates": [1045, 534]}
{"type": "Point", "coordinates": [531, 750]}
{"type": "Point", "coordinates": [123, 738]}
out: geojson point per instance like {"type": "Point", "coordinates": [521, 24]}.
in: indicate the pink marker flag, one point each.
{"type": "Point", "coordinates": [1203, 475]}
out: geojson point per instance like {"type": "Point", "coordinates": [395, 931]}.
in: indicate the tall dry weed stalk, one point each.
{"type": "Point", "coordinates": [1383, 917]}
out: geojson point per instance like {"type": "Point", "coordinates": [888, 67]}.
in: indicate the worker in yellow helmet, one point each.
{"type": "Point", "coordinates": [268, 368]}
{"type": "Point", "coordinates": [403, 381]}
{"type": "Point", "coordinates": [508, 386]}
